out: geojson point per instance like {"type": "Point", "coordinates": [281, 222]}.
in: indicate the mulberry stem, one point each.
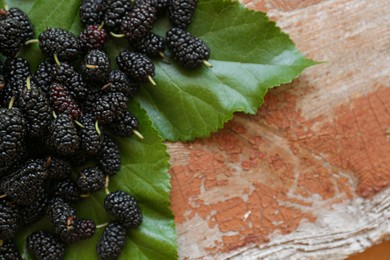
{"type": "Point", "coordinates": [117, 35]}
{"type": "Point", "coordinates": [107, 182]}
{"type": "Point", "coordinates": [79, 124]}
{"type": "Point", "coordinates": [97, 128]}
{"type": "Point", "coordinates": [138, 134]}
{"type": "Point", "coordinates": [152, 80]}
{"type": "Point", "coordinates": [11, 103]}
{"type": "Point", "coordinates": [208, 64]}
{"type": "Point", "coordinates": [100, 26]}
{"type": "Point", "coordinates": [89, 66]}
{"type": "Point", "coordinates": [28, 83]}
{"type": "Point", "coordinates": [101, 225]}
{"type": "Point", "coordinates": [56, 59]}
{"type": "Point", "coordinates": [31, 41]}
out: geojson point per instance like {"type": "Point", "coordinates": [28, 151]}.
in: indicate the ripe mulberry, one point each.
{"type": "Point", "coordinates": [115, 10]}
{"type": "Point", "coordinates": [9, 217]}
{"type": "Point", "coordinates": [17, 69]}
{"type": "Point", "coordinates": [139, 22]}
{"type": "Point", "coordinates": [25, 185]}
{"type": "Point", "coordinates": [45, 245]}
{"type": "Point", "coordinates": [71, 79]}
{"type": "Point", "coordinates": [12, 133]}
{"type": "Point", "coordinates": [90, 139]}
{"type": "Point", "coordinates": [43, 76]}
{"type": "Point", "coordinates": [136, 65]}
{"type": "Point", "coordinates": [112, 242]}
{"type": "Point", "coordinates": [96, 66]}
{"type": "Point", "coordinates": [56, 168]}
{"type": "Point", "coordinates": [189, 51]}
{"type": "Point", "coordinates": [109, 160]}
{"type": "Point", "coordinates": [8, 251]}
{"type": "Point", "coordinates": [2, 76]}
{"type": "Point", "coordinates": [152, 45]}
{"type": "Point", "coordinates": [27, 27]}
{"type": "Point", "coordinates": [63, 102]}
{"type": "Point", "coordinates": [36, 109]}
{"type": "Point", "coordinates": [118, 81]}
{"type": "Point", "coordinates": [108, 106]}
{"type": "Point", "coordinates": [66, 190]}
{"type": "Point", "coordinates": [91, 180]}
{"type": "Point", "coordinates": [63, 137]}
{"type": "Point", "coordinates": [125, 124]}
{"type": "Point", "coordinates": [31, 213]}
{"type": "Point", "coordinates": [181, 12]}
{"type": "Point", "coordinates": [10, 37]}
{"type": "Point", "coordinates": [92, 38]}
{"type": "Point", "coordinates": [124, 208]}
{"type": "Point", "coordinates": [91, 12]}
{"type": "Point", "coordinates": [61, 215]}
{"type": "Point", "coordinates": [82, 229]}
{"type": "Point", "coordinates": [60, 42]}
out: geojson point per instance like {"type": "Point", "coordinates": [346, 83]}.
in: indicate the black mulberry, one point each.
{"type": "Point", "coordinates": [10, 37]}
{"type": "Point", "coordinates": [109, 160]}
{"type": "Point", "coordinates": [91, 12]}
{"type": "Point", "coordinates": [60, 42]}
{"type": "Point", "coordinates": [43, 76]}
{"type": "Point", "coordinates": [139, 21]}
{"type": "Point", "coordinates": [45, 246]}
{"type": "Point", "coordinates": [31, 213]}
{"type": "Point", "coordinates": [112, 242]}
{"type": "Point", "coordinates": [62, 216]}
{"type": "Point", "coordinates": [124, 208]}
{"type": "Point", "coordinates": [90, 139]}
{"type": "Point", "coordinates": [96, 66]}
{"type": "Point", "coordinates": [63, 136]}
{"type": "Point", "coordinates": [108, 106]}
{"type": "Point", "coordinates": [17, 69]}
{"type": "Point", "coordinates": [115, 10]}
{"type": "Point", "coordinates": [82, 229]}
{"type": "Point", "coordinates": [189, 51]}
{"type": "Point", "coordinates": [66, 190]}
{"type": "Point", "coordinates": [91, 180]}
{"type": "Point", "coordinates": [125, 125]}
{"type": "Point", "coordinates": [118, 81]}
{"type": "Point", "coordinates": [181, 12]}
{"type": "Point", "coordinates": [27, 27]}
{"type": "Point", "coordinates": [56, 168]}
{"type": "Point", "coordinates": [92, 38]}
{"type": "Point", "coordinates": [8, 251]}
{"type": "Point", "coordinates": [136, 65]}
{"type": "Point", "coordinates": [9, 218]}
{"type": "Point", "coordinates": [151, 45]}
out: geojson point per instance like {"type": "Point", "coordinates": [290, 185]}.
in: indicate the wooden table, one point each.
{"type": "Point", "coordinates": [308, 176]}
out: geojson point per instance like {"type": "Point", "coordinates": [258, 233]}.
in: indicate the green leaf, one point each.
{"type": "Point", "coordinates": [249, 55]}
{"type": "Point", "coordinates": [144, 175]}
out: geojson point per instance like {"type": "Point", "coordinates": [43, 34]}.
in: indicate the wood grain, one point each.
{"type": "Point", "coordinates": [308, 176]}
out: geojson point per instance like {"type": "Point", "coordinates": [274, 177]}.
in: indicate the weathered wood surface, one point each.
{"type": "Point", "coordinates": [308, 176]}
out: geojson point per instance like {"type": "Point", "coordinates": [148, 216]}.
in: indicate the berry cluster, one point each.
{"type": "Point", "coordinates": [54, 121]}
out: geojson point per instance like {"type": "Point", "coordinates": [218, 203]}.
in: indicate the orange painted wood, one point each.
{"type": "Point", "coordinates": [308, 175]}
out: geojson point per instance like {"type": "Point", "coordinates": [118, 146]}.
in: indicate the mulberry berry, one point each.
{"type": "Point", "coordinates": [12, 133]}
{"type": "Point", "coordinates": [61, 215]}
{"type": "Point", "coordinates": [9, 218]}
{"type": "Point", "coordinates": [63, 136]}
{"type": "Point", "coordinates": [43, 76]}
{"type": "Point", "coordinates": [45, 246]}
{"type": "Point", "coordinates": [151, 45]}
{"type": "Point", "coordinates": [92, 38]}
{"type": "Point", "coordinates": [63, 102]}
{"type": "Point", "coordinates": [27, 27]}
{"type": "Point", "coordinates": [66, 190]}
{"type": "Point", "coordinates": [123, 207]}
{"type": "Point", "coordinates": [136, 65]}
{"type": "Point", "coordinates": [181, 12]}
{"type": "Point", "coordinates": [17, 69]}
{"type": "Point", "coordinates": [108, 106]}
{"type": "Point", "coordinates": [10, 37]}
{"type": "Point", "coordinates": [9, 251]}
{"type": "Point", "coordinates": [118, 81]}
{"type": "Point", "coordinates": [26, 185]}
{"type": "Point", "coordinates": [56, 168]}
{"type": "Point", "coordinates": [36, 109]}
{"type": "Point", "coordinates": [91, 180]}
{"type": "Point", "coordinates": [31, 213]}
{"type": "Point", "coordinates": [125, 125]}
{"type": "Point", "coordinates": [12, 90]}
{"type": "Point", "coordinates": [82, 229]}
{"type": "Point", "coordinates": [187, 50]}
{"type": "Point", "coordinates": [91, 12]}
{"type": "Point", "coordinates": [139, 22]}
{"type": "Point", "coordinates": [96, 66]}
{"type": "Point", "coordinates": [2, 76]}
{"type": "Point", "coordinates": [90, 139]}
{"type": "Point", "coordinates": [109, 160]}
{"type": "Point", "coordinates": [60, 42]}
{"type": "Point", "coordinates": [71, 79]}
{"type": "Point", "coordinates": [115, 10]}
{"type": "Point", "coordinates": [112, 242]}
